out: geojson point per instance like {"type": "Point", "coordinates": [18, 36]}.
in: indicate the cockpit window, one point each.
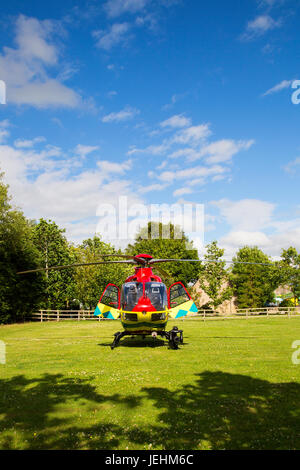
{"type": "Point", "coordinates": [131, 293]}
{"type": "Point", "coordinates": [178, 295]}
{"type": "Point", "coordinates": [157, 293]}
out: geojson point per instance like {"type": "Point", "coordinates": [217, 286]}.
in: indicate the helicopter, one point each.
{"type": "Point", "coordinates": [144, 304]}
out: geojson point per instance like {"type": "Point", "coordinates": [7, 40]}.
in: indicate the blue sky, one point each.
{"type": "Point", "coordinates": [166, 101]}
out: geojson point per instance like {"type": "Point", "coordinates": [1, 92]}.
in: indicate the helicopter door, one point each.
{"type": "Point", "coordinates": [109, 303]}
{"type": "Point", "coordinates": [180, 302]}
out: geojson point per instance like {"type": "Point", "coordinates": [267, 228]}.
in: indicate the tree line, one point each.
{"type": "Point", "coordinates": [27, 244]}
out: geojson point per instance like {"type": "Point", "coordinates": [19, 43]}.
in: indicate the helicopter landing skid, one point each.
{"type": "Point", "coordinates": [118, 336]}
{"type": "Point", "coordinates": [171, 336]}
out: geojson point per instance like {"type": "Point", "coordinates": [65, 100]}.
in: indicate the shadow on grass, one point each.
{"type": "Point", "coordinates": [218, 411]}
{"type": "Point", "coordinates": [26, 406]}
{"type": "Point", "coordinates": [228, 411]}
{"type": "Point", "coordinates": [138, 343]}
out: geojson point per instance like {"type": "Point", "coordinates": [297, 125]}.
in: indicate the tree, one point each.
{"type": "Point", "coordinates": [290, 265]}
{"type": "Point", "coordinates": [19, 295]}
{"type": "Point", "coordinates": [90, 281]}
{"type": "Point", "coordinates": [214, 278]}
{"type": "Point", "coordinates": [54, 250]}
{"type": "Point", "coordinates": [152, 240]}
{"type": "Point", "coordinates": [254, 285]}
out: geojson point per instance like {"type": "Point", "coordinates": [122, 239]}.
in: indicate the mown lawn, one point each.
{"type": "Point", "coordinates": [232, 385]}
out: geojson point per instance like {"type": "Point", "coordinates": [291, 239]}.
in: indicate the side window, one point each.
{"type": "Point", "coordinates": [178, 295]}
{"type": "Point", "coordinates": [111, 296]}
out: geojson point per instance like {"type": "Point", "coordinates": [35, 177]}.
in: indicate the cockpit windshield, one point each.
{"type": "Point", "coordinates": [133, 291]}
{"type": "Point", "coordinates": [157, 293]}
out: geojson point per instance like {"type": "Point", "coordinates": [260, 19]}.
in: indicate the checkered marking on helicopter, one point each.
{"type": "Point", "coordinates": [186, 309]}
{"type": "Point", "coordinates": [105, 311]}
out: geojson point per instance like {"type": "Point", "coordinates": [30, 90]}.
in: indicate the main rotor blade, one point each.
{"type": "Point", "coordinates": [76, 265]}
{"type": "Point", "coordinates": [138, 260]}
{"type": "Point", "coordinates": [167, 260]}
{"type": "Point", "coordinates": [117, 255]}
{"type": "Point", "coordinates": [163, 273]}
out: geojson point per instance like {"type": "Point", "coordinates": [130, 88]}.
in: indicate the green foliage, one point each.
{"type": "Point", "coordinates": [254, 285]}
{"type": "Point", "coordinates": [90, 281]}
{"type": "Point", "coordinates": [19, 295]}
{"type": "Point", "coordinates": [287, 303]}
{"type": "Point", "coordinates": [214, 278]}
{"type": "Point", "coordinates": [152, 240]}
{"type": "Point", "coordinates": [290, 265]}
{"type": "Point", "coordinates": [54, 250]}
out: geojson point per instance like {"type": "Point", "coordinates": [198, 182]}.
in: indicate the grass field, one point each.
{"type": "Point", "coordinates": [232, 385]}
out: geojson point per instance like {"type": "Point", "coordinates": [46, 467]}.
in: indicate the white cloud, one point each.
{"type": "Point", "coordinates": [5, 123]}
{"type": "Point", "coordinates": [110, 167]}
{"type": "Point", "coordinates": [152, 149]}
{"type": "Point", "coordinates": [46, 186]}
{"type": "Point", "coordinates": [259, 26]}
{"type": "Point", "coordinates": [270, 3]}
{"type": "Point", "coordinates": [292, 166]}
{"type": "Point", "coordinates": [84, 150]}
{"type": "Point", "coordinates": [25, 69]}
{"type": "Point", "coordinates": [193, 172]}
{"type": "Point", "coordinates": [201, 181]}
{"type": "Point", "coordinates": [58, 122]}
{"type": "Point", "coordinates": [32, 36]}
{"type": "Point", "coordinates": [178, 120]}
{"type": "Point", "coordinates": [49, 93]}
{"type": "Point", "coordinates": [162, 165]}
{"type": "Point", "coordinates": [192, 135]}
{"type": "Point", "coordinates": [112, 93]}
{"type": "Point", "coordinates": [189, 144]}
{"type": "Point", "coordinates": [151, 188]}
{"type": "Point", "coordinates": [222, 150]}
{"type": "Point", "coordinates": [234, 240]}
{"type": "Point", "coordinates": [182, 191]}
{"type": "Point", "coordinates": [116, 8]}
{"type": "Point", "coordinates": [123, 115]}
{"type": "Point", "coordinates": [189, 153]}
{"type": "Point", "coordinates": [241, 238]}
{"type": "Point", "coordinates": [218, 178]}
{"type": "Point", "coordinates": [21, 143]}
{"type": "Point", "coordinates": [252, 222]}
{"type": "Point", "coordinates": [271, 244]}
{"type": "Point", "coordinates": [174, 99]}
{"type": "Point", "coordinates": [215, 152]}
{"type": "Point", "coordinates": [246, 214]}
{"type": "Point", "coordinates": [279, 87]}
{"type": "Point", "coordinates": [4, 133]}
{"type": "Point", "coordinates": [117, 34]}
